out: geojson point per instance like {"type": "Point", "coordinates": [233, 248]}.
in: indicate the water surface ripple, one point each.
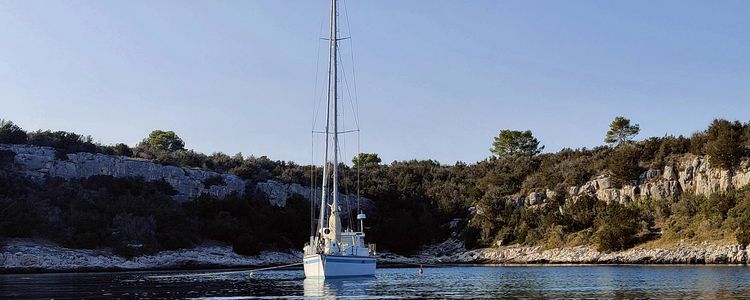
{"type": "Point", "coordinates": [656, 282]}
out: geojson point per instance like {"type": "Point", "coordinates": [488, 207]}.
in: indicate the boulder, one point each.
{"type": "Point", "coordinates": [629, 193]}
{"type": "Point", "coordinates": [609, 195]}
{"type": "Point", "coordinates": [650, 174]}
{"type": "Point", "coordinates": [660, 189]}
{"type": "Point", "coordinates": [536, 198]}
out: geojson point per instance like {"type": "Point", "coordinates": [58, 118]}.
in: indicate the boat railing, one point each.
{"type": "Point", "coordinates": [309, 250]}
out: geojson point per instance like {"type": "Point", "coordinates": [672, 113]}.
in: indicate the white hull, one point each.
{"type": "Point", "coordinates": [338, 266]}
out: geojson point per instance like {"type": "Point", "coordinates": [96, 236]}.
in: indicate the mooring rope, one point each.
{"type": "Point", "coordinates": [226, 273]}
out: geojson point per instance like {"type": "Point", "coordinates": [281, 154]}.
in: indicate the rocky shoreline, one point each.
{"type": "Point", "coordinates": [29, 256]}
{"type": "Point", "coordinates": [680, 253]}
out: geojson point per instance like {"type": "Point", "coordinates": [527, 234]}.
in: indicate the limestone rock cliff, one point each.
{"type": "Point", "coordinates": [689, 174]}
{"type": "Point", "coordinates": [278, 193]}
{"type": "Point", "coordinates": [39, 162]}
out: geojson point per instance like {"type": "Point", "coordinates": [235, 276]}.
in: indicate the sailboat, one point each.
{"type": "Point", "coordinates": [333, 252]}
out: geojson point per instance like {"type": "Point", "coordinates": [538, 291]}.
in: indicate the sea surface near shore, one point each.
{"type": "Point", "coordinates": [454, 282]}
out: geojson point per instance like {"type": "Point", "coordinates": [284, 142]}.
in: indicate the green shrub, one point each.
{"type": "Point", "coordinates": [581, 214]}
{"type": "Point", "coordinates": [716, 206]}
{"type": "Point", "coordinates": [11, 134]}
{"type": "Point", "coordinates": [121, 150]}
{"type": "Point", "coordinates": [743, 235]}
{"type": "Point", "coordinates": [623, 164]}
{"type": "Point", "coordinates": [159, 140]}
{"type": "Point", "coordinates": [738, 218]}
{"type": "Point", "coordinates": [669, 146]}
{"type": "Point", "coordinates": [724, 143]}
{"type": "Point", "coordinates": [64, 142]}
{"type": "Point", "coordinates": [688, 205]}
{"type": "Point", "coordinates": [698, 143]}
{"type": "Point", "coordinates": [617, 227]}
{"type": "Point", "coordinates": [6, 157]}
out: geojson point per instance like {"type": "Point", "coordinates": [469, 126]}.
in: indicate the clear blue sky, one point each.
{"type": "Point", "coordinates": [436, 79]}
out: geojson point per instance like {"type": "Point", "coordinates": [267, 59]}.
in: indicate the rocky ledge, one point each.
{"type": "Point", "coordinates": [39, 162]}
{"type": "Point", "coordinates": [680, 253]}
{"type": "Point", "coordinates": [33, 256]}
{"type": "Point", "coordinates": [23, 255]}
{"type": "Point", "coordinates": [685, 174]}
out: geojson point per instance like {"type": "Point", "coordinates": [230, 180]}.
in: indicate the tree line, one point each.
{"type": "Point", "coordinates": [416, 200]}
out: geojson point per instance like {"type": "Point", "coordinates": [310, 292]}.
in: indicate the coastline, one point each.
{"type": "Point", "coordinates": [39, 256]}
{"type": "Point", "coordinates": [679, 254]}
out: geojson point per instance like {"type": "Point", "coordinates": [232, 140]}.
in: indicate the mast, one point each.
{"type": "Point", "coordinates": [331, 85]}
{"type": "Point", "coordinates": [332, 94]}
{"type": "Point", "coordinates": [334, 98]}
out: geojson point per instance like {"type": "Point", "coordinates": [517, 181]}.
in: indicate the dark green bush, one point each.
{"type": "Point", "coordinates": [121, 150]}
{"type": "Point", "coordinates": [738, 218]}
{"type": "Point", "coordinates": [11, 134]}
{"type": "Point", "coordinates": [64, 142]}
{"type": "Point", "coordinates": [6, 157]}
{"type": "Point", "coordinates": [724, 143]}
{"type": "Point", "coordinates": [617, 226]}
{"type": "Point", "coordinates": [698, 143]}
{"type": "Point", "coordinates": [623, 164]}
{"type": "Point", "coordinates": [581, 214]}
{"type": "Point", "coordinates": [743, 235]}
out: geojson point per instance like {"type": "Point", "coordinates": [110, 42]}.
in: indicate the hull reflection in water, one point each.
{"type": "Point", "coordinates": [333, 288]}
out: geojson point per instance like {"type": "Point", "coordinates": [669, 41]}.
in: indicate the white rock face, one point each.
{"type": "Point", "coordinates": [39, 162]}
{"type": "Point", "coordinates": [691, 175]}
{"type": "Point", "coordinates": [278, 193]}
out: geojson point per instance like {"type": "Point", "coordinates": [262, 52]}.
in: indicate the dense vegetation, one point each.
{"type": "Point", "coordinates": [415, 200]}
{"type": "Point", "coordinates": [134, 217]}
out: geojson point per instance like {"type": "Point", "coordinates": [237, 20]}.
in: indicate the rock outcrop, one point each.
{"type": "Point", "coordinates": [40, 162]}
{"type": "Point", "coordinates": [279, 192]}
{"type": "Point", "coordinates": [691, 174]}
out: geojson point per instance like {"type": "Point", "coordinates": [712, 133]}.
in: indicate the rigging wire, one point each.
{"type": "Point", "coordinates": [354, 71]}
{"type": "Point", "coordinates": [358, 166]}
{"type": "Point", "coordinates": [317, 103]}
{"type": "Point", "coordinates": [354, 104]}
{"type": "Point", "coordinates": [341, 150]}
{"type": "Point", "coordinates": [344, 142]}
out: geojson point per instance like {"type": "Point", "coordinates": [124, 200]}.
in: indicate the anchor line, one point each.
{"type": "Point", "coordinates": [227, 273]}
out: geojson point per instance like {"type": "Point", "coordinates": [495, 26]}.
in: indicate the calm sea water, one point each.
{"type": "Point", "coordinates": [714, 282]}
